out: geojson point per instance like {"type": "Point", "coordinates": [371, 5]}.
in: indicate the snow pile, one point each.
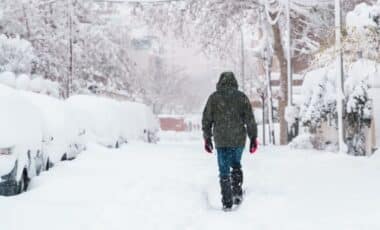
{"type": "Point", "coordinates": [8, 78]}
{"type": "Point", "coordinates": [302, 141]}
{"type": "Point", "coordinates": [22, 82]}
{"type": "Point", "coordinates": [19, 123]}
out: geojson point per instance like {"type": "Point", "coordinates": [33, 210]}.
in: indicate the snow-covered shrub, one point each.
{"type": "Point", "coordinates": [319, 104]}
{"type": "Point", "coordinates": [8, 78]}
{"type": "Point", "coordinates": [363, 31]}
{"type": "Point", "coordinates": [44, 86]}
{"type": "Point", "coordinates": [23, 82]}
{"type": "Point", "coordinates": [51, 87]}
{"type": "Point", "coordinates": [291, 114]}
{"type": "Point", "coordinates": [359, 104]}
{"type": "Point", "coordinates": [16, 55]}
{"type": "Point", "coordinates": [318, 110]}
{"type": "Point", "coordinates": [303, 141]}
{"type": "Point", "coordinates": [36, 85]}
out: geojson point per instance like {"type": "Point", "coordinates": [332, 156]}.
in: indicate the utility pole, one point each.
{"type": "Point", "coordinates": [69, 79]}
{"type": "Point", "coordinates": [242, 59]}
{"type": "Point", "coordinates": [289, 56]}
{"type": "Point", "coordinates": [339, 74]}
{"type": "Point", "coordinates": [268, 64]}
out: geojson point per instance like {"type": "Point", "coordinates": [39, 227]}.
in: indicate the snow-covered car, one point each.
{"type": "Point", "coordinates": [57, 141]}
{"type": "Point", "coordinates": [75, 130]}
{"type": "Point", "coordinates": [138, 122]}
{"type": "Point", "coordinates": [21, 155]}
{"type": "Point", "coordinates": [100, 117]}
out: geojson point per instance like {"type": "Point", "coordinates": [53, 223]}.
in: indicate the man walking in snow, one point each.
{"type": "Point", "coordinates": [228, 118]}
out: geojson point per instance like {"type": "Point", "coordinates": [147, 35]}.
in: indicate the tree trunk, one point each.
{"type": "Point", "coordinates": [27, 26]}
{"type": "Point", "coordinates": [283, 100]}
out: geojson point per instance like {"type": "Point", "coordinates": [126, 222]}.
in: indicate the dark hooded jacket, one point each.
{"type": "Point", "coordinates": [228, 115]}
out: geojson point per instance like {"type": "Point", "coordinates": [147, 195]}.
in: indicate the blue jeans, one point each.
{"type": "Point", "coordinates": [229, 157]}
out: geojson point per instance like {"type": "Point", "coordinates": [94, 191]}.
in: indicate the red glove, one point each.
{"type": "Point", "coordinates": [253, 145]}
{"type": "Point", "coordinates": [208, 145]}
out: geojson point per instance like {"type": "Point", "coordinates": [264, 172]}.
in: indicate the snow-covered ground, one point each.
{"type": "Point", "coordinates": [166, 186]}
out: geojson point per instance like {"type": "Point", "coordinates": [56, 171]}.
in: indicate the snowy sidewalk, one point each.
{"type": "Point", "coordinates": [142, 186]}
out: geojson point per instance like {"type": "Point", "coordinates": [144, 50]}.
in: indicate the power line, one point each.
{"type": "Point", "coordinates": [138, 2]}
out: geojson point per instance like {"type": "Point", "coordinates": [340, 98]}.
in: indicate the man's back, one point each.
{"type": "Point", "coordinates": [228, 114]}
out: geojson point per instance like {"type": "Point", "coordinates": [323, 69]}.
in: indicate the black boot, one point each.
{"type": "Point", "coordinates": [225, 185]}
{"type": "Point", "coordinates": [237, 182]}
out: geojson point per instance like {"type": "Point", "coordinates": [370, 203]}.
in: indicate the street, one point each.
{"type": "Point", "coordinates": [174, 185]}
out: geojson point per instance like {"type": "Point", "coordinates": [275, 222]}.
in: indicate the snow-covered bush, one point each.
{"type": "Point", "coordinates": [291, 114]}
{"type": "Point", "coordinates": [363, 31]}
{"type": "Point", "coordinates": [16, 55]}
{"type": "Point", "coordinates": [361, 58]}
{"type": "Point", "coordinates": [319, 103]}
{"type": "Point", "coordinates": [303, 141]}
{"type": "Point", "coordinates": [318, 109]}
{"type": "Point", "coordinates": [23, 82]}
{"type": "Point", "coordinates": [44, 86]}
{"type": "Point", "coordinates": [35, 83]}
{"type": "Point", "coordinates": [8, 78]}
{"type": "Point", "coordinates": [361, 75]}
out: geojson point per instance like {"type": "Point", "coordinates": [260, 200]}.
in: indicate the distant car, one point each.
{"type": "Point", "coordinates": [21, 155]}
{"type": "Point", "coordinates": [138, 122]}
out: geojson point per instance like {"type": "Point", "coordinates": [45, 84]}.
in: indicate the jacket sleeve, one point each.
{"type": "Point", "coordinates": [207, 119]}
{"type": "Point", "coordinates": [249, 119]}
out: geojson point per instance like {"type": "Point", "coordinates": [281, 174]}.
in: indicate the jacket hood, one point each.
{"type": "Point", "coordinates": [227, 80]}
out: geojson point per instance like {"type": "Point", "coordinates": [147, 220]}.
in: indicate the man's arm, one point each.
{"type": "Point", "coordinates": [207, 119]}
{"type": "Point", "coordinates": [249, 119]}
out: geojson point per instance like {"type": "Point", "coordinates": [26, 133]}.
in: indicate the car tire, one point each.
{"type": "Point", "coordinates": [48, 165]}
{"type": "Point", "coordinates": [24, 183]}
{"type": "Point", "coordinates": [20, 187]}
{"type": "Point", "coordinates": [64, 157]}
